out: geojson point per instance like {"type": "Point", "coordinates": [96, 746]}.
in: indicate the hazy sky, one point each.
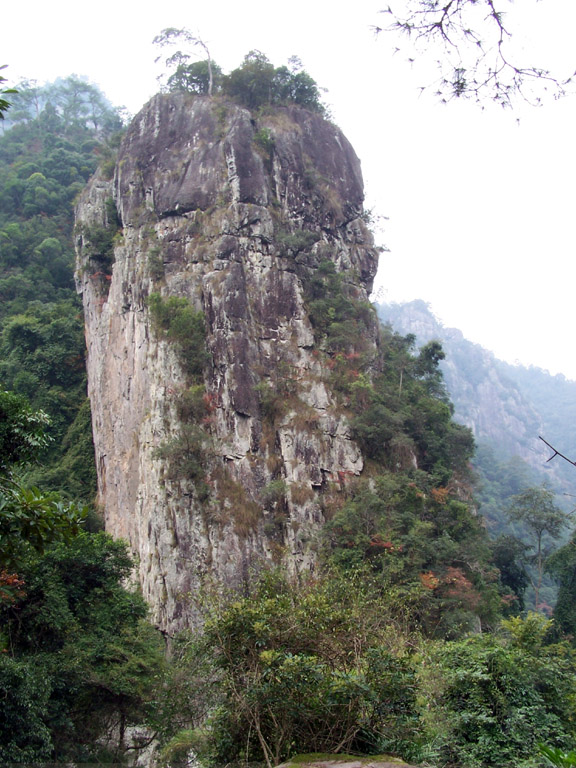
{"type": "Point", "coordinates": [479, 204]}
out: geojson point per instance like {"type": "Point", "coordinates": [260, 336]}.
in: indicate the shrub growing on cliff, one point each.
{"type": "Point", "coordinates": [407, 400]}
{"type": "Point", "coordinates": [185, 456]}
{"type": "Point", "coordinates": [176, 320]}
{"type": "Point", "coordinates": [420, 542]}
{"type": "Point", "coordinates": [341, 322]}
{"type": "Point", "coordinates": [99, 240]}
{"type": "Point", "coordinates": [257, 83]}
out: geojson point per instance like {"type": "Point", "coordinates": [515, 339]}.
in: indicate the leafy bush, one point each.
{"type": "Point", "coordinates": [495, 697]}
{"type": "Point", "coordinates": [293, 243]}
{"type": "Point", "coordinates": [80, 663]}
{"type": "Point", "coordinates": [28, 517]}
{"type": "Point", "coordinates": [302, 669]}
{"type": "Point", "coordinates": [257, 83]}
{"type": "Point", "coordinates": [24, 697]}
{"type": "Point", "coordinates": [272, 402]}
{"type": "Point", "coordinates": [176, 320]}
{"type": "Point", "coordinates": [274, 492]}
{"type": "Point", "coordinates": [22, 431]}
{"type": "Point", "coordinates": [99, 240]}
{"type": "Point", "coordinates": [156, 263]}
{"type": "Point", "coordinates": [185, 456]}
{"type": "Point", "coordinates": [558, 757]}
{"type": "Point", "coordinates": [264, 139]}
{"type": "Point", "coordinates": [341, 322]}
{"type": "Point", "coordinates": [420, 542]}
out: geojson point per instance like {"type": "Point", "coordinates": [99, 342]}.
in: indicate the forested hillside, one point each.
{"type": "Point", "coordinates": [78, 659]}
{"type": "Point", "coordinates": [53, 139]}
{"type": "Point", "coordinates": [406, 636]}
{"type": "Point", "coordinates": [507, 407]}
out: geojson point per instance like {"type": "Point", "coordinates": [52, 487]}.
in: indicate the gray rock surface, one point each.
{"type": "Point", "coordinates": [233, 213]}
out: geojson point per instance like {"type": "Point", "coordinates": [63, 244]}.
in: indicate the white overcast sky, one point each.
{"type": "Point", "coordinates": [480, 205]}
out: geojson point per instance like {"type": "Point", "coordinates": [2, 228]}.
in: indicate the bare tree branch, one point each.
{"type": "Point", "coordinates": [172, 36]}
{"type": "Point", "coordinates": [556, 453]}
{"type": "Point", "coordinates": [471, 44]}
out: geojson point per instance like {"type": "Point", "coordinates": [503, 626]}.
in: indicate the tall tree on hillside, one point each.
{"type": "Point", "coordinates": [536, 510]}
{"type": "Point", "coordinates": [194, 76]}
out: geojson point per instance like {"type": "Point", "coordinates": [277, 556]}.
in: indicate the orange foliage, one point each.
{"type": "Point", "coordinates": [210, 401]}
{"type": "Point", "coordinates": [10, 587]}
{"type": "Point", "coordinates": [429, 580]}
{"type": "Point", "coordinates": [379, 544]}
{"type": "Point", "coordinates": [440, 495]}
{"type": "Point", "coordinates": [457, 587]}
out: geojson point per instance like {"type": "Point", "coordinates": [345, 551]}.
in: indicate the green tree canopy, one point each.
{"type": "Point", "coordinates": [22, 431]}
{"type": "Point", "coordinates": [56, 136]}
{"type": "Point", "coordinates": [300, 668]}
{"type": "Point", "coordinates": [28, 517]}
{"type": "Point", "coordinates": [255, 83]}
{"type": "Point", "coordinates": [4, 103]}
{"type": "Point", "coordinates": [492, 698]}
{"type": "Point", "coordinates": [79, 663]}
{"type": "Point", "coordinates": [562, 565]}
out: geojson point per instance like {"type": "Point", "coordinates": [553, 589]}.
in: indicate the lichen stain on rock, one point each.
{"type": "Point", "coordinates": [239, 236]}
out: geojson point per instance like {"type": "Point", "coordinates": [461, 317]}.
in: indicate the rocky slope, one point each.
{"type": "Point", "coordinates": [212, 465]}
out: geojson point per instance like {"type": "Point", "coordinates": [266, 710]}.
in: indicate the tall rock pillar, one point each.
{"type": "Point", "coordinates": [216, 458]}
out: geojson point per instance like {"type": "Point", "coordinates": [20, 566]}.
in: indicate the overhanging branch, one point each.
{"type": "Point", "coordinates": [556, 453]}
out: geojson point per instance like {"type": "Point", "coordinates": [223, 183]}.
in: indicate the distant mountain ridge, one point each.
{"type": "Point", "coordinates": [506, 406]}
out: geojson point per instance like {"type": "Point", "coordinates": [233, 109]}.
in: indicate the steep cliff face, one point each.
{"type": "Point", "coordinates": [210, 466]}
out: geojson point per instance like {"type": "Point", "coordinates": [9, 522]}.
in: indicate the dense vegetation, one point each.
{"type": "Point", "coordinates": [256, 83]}
{"type": "Point", "coordinates": [78, 661]}
{"type": "Point", "coordinates": [380, 649]}
{"type": "Point", "coordinates": [57, 136]}
{"type": "Point", "coordinates": [518, 404]}
{"type": "Point", "coordinates": [330, 664]}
